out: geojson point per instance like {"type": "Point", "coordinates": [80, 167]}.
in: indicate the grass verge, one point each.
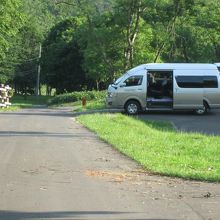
{"type": "Point", "coordinates": [91, 105]}
{"type": "Point", "coordinates": [158, 147]}
{"type": "Point", "coordinates": [10, 108]}
{"type": "Point", "coordinates": [19, 101]}
{"type": "Point", "coordinates": [76, 96]}
{"type": "Point", "coordinates": [77, 106]}
{"type": "Point", "coordinates": [95, 100]}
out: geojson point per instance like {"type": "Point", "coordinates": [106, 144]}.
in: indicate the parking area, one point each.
{"type": "Point", "coordinates": [187, 121]}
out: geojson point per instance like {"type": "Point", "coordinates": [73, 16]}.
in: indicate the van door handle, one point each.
{"type": "Point", "coordinates": [139, 89]}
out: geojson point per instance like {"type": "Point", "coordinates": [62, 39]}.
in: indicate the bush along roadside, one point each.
{"type": "Point", "coordinates": [77, 96]}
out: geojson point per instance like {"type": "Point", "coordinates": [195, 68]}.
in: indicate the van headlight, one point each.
{"type": "Point", "coordinates": [110, 94]}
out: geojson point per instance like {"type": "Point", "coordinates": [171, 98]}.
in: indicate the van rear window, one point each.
{"type": "Point", "coordinates": [197, 81]}
{"type": "Point", "coordinates": [189, 81]}
{"type": "Point", "coordinates": [210, 82]}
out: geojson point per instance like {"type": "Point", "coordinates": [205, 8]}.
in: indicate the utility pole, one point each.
{"type": "Point", "coordinates": [38, 73]}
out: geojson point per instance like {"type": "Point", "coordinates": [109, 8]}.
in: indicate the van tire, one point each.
{"type": "Point", "coordinates": [203, 110]}
{"type": "Point", "coordinates": [132, 107]}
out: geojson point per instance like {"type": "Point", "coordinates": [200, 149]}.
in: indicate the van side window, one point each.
{"type": "Point", "coordinates": [210, 82]}
{"type": "Point", "coordinates": [189, 81]}
{"type": "Point", "coordinates": [134, 81]}
{"type": "Point", "coordinates": [197, 81]}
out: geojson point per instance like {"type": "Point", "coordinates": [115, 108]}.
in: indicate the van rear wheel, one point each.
{"type": "Point", "coordinates": [132, 107]}
{"type": "Point", "coordinates": [202, 110]}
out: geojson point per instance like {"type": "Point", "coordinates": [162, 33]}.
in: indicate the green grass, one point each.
{"type": "Point", "coordinates": [10, 108]}
{"type": "Point", "coordinates": [95, 100]}
{"type": "Point", "coordinates": [76, 96]}
{"type": "Point", "coordinates": [67, 104]}
{"type": "Point", "coordinates": [19, 101]}
{"type": "Point", "coordinates": [77, 106]}
{"type": "Point", "coordinates": [90, 105]}
{"type": "Point", "coordinates": [158, 147]}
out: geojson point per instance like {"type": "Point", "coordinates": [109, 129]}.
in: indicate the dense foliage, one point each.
{"type": "Point", "coordinates": [77, 96]}
{"type": "Point", "coordinates": [87, 44]}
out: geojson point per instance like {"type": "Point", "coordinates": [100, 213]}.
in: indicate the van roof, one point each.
{"type": "Point", "coordinates": [171, 66]}
{"type": "Point", "coordinates": [217, 64]}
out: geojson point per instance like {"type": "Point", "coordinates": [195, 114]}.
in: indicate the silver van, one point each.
{"type": "Point", "coordinates": [167, 86]}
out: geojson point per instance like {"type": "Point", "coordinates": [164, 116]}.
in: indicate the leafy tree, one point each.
{"type": "Point", "coordinates": [129, 15]}
{"type": "Point", "coordinates": [101, 49]}
{"type": "Point", "coordinates": [209, 29]}
{"type": "Point", "coordinates": [62, 60]}
{"type": "Point", "coordinates": [95, 39]}
{"type": "Point", "coordinates": [27, 50]}
{"type": "Point", "coordinates": [11, 19]}
{"type": "Point", "coordinates": [118, 40]}
{"type": "Point", "coordinates": [88, 42]}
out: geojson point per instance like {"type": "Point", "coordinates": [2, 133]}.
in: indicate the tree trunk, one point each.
{"type": "Point", "coordinates": [97, 85]}
{"type": "Point", "coordinates": [170, 30]}
{"type": "Point", "coordinates": [40, 90]}
{"type": "Point", "coordinates": [159, 51]}
{"type": "Point", "coordinates": [132, 32]}
{"type": "Point", "coordinates": [184, 47]}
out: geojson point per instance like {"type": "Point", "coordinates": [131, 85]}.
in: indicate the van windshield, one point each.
{"type": "Point", "coordinates": [119, 80]}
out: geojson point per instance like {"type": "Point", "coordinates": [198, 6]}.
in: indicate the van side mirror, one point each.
{"type": "Point", "coordinates": [123, 85]}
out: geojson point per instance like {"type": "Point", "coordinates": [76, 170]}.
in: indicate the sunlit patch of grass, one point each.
{"type": "Point", "coordinates": [10, 108]}
{"type": "Point", "coordinates": [78, 107]}
{"type": "Point", "coordinates": [158, 147]}
{"type": "Point", "coordinates": [19, 101]}
{"type": "Point", "coordinates": [91, 105]}
{"type": "Point", "coordinates": [28, 101]}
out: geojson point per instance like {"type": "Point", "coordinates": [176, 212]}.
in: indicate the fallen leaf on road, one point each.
{"type": "Point", "coordinates": [114, 175]}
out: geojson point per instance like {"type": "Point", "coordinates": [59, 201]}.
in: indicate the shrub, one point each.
{"type": "Point", "coordinates": [77, 96]}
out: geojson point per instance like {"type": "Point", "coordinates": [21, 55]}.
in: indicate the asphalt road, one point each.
{"type": "Point", "coordinates": [53, 168]}
{"type": "Point", "coordinates": [188, 121]}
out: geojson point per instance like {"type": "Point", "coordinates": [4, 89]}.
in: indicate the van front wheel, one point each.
{"type": "Point", "coordinates": [132, 107]}
{"type": "Point", "coordinates": [202, 110]}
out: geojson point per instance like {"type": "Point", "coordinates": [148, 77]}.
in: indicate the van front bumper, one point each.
{"type": "Point", "coordinates": [108, 102]}
{"type": "Point", "coordinates": [112, 102]}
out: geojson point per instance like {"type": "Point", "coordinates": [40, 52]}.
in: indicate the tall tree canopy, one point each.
{"type": "Point", "coordinates": [87, 44]}
{"type": "Point", "coordinates": [11, 20]}
{"type": "Point", "coordinates": [62, 59]}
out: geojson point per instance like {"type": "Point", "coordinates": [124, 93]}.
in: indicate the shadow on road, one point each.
{"type": "Point", "coordinates": [41, 113]}
{"type": "Point", "coordinates": [15, 215]}
{"type": "Point", "coordinates": [43, 134]}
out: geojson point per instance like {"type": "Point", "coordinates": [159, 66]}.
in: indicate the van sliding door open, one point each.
{"type": "Point", "coordinates": [160, 89]}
